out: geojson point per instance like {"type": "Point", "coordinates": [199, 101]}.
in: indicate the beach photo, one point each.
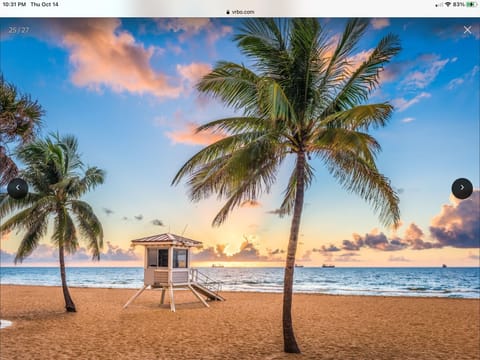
{"type": "Point", "coordinates": [239, 188]}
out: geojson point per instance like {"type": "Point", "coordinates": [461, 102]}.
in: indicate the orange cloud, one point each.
{"type": "Point", "coordinates": [189, 136]}
{"type": "Point", "coordinates": [102, 56]}
{"type": "Point", "coordinates": [250, 204]}
{"type": "Point", "coordinates": [5, 235]}
{"type": "Point", "coordinates": [194, 71]}
{"type": "Point", "coordinates": [188, 27]}
{"type": "Point", "coordinates": [378, 24]}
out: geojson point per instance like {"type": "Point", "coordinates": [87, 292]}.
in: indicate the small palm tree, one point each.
{"type": "Point", "coordinates": [302, 96]}
{"type": "Point", "coordinates": [58, 178]}
{"type": "Point", "coordinates": [20, 119]}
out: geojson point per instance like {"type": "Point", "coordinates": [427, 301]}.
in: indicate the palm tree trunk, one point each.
{"type": "Point", "coordinates": [69, 305]}
{"type": "Point", "coordinates": [289, 341]}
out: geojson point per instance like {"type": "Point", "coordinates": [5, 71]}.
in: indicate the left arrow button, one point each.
{"type": "Point", "coordinates": [17, 188]}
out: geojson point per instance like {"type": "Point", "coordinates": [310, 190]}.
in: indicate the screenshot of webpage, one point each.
{"type": "Point", "coordinates": [235, 180]}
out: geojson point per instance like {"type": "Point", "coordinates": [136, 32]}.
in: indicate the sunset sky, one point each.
{"type": "Point", "coordinates": [124, 87]}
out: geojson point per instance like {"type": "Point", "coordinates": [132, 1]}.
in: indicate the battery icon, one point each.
{"type": "Point", "coordinates": [471, 4]}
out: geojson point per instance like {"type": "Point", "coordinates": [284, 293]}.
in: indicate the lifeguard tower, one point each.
{"type": "Point", "coordinates": [167, 267]}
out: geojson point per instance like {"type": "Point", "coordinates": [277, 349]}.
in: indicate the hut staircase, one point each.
{"type": "Point", "coordinates": [205, 285]}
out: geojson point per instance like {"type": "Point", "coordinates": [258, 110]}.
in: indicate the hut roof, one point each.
{"type": "Point", "coordinates": [167, 239]}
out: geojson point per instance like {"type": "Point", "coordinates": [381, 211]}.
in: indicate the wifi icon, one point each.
{"type": "Point", "coordinates": [448, 3]}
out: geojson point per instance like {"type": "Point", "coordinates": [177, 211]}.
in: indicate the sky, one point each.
{"type": "Point", "coordinates": [125, 89]}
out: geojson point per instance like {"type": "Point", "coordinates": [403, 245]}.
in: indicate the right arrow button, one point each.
{"type": "Point", "coordinates": [462, 188]}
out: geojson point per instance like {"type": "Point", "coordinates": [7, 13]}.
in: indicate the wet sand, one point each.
{"type": "Point", "coordinates": [246, 326]}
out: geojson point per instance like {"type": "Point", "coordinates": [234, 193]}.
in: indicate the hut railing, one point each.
{"type": "Point", "coordinates": [202, 279]}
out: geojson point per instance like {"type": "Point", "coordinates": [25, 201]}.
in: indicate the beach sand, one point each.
{"type": "Point", "coordinates": [246, 326]}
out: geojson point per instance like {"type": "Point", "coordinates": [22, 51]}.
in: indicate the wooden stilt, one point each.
{"type": "Point", "coordinates": [198, 296]}
{"type": "Point", "coordinates": [135, 296]}
{"type": "Point", "coordinates": [172, 301]}
{"type": "Point", "coordinates": [162, 299]}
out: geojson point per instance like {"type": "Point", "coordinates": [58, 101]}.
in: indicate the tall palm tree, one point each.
{"type": "Point", "coordinates": [20, 119]}
{"type": "Point", "coordinates": [302, 96]}
{"type": "Point", "coordinates": [58, 177]}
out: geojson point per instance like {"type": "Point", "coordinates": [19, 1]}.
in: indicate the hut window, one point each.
{"type": "Point", "coordinates": [179, 258]}
{"type": "Point", "coordinates": [152, 257]}
{"type": "Point", "coordinates": [163, 258]}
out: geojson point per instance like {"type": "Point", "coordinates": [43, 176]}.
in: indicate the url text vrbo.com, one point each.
{"type": "Point", "coordinates": [240, 12]}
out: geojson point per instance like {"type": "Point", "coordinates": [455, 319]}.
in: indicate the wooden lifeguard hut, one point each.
{"type": "Point", "coordinates": [167, 267]}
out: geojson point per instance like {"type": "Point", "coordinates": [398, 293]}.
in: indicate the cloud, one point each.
{"type": "Point", "coordinates": [274, 212]}
{"type": "Point", "coordinates": [6, 257]}
{"type": "Point", "coordinates": [378, 24]}
{"type": "Point", "coordinates": [46, 253]}
{"type": "Point", "coordinates": [403, 104]}
{"type": "Point", "coordinates": [407, 120]}
{"type": "Point", "coordinates": [474, 256]}
{"type": "Point", "coordinates": [189, 27]}
{"type": "Point", "coordinates": [347, 257]}
{"type": "Point", "coordinates": [325, 249]}
{"type": "Point", "coordinates": [458, 224]}
{"type": "Point", "coordinates": [456, 31]}
{"type": "Point", "coordinates": [188, 135]}
{"type": "Point", "coordinates": [398, 259]}
{"type": "Point", "coordinates": [157, 222]}
{"type": "Point", "coordinates": [247, 252]}
{"type": "Point", "coordinates": [250, 204]}
{"type": "Point", "coordinates": [354, 245]}
{"type": "Point", "coordinates": [455, 83]}
{"type": "Point", "coordinates": [359, 58]}
{"type": "Point", "coordinates": [420, 79]}
{"type": "Point", "coordinates": [108, 212]}
{"type": "Point", "coordinates": [139, 217]}
{"type": "Point", "coordinates": [193, 72]}
{"type": "Point", "coordinates": [5, 235]}
{"type": "Point", "coordinates": [374, 240]}
{"type": "Point", "coordinates": [306, 256]}
{"type": "Point", "coordinates": [469, 76]}
{"type": "Point", "coordinates": [414, 237]}
{"type": "Point", "coordinates": [115, 253]}
{"type": "Point", "coordinates": [103, 55]}
{"type": "Point", "coordinates": [276, 252]}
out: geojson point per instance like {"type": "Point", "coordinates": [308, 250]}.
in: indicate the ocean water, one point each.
{"type": "Point", "coordinates": [431, 282]}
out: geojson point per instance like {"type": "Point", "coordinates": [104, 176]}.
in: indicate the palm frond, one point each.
{"type": "Point", "coordinates": [360, 117]}
{"type": "Point", "coordinates": [361, 144]}
{"type": "Point", "coordinates": [89, 225]}
{"type": "Point", "coordinates": [290, 192]}
{"type": "Point", "coordinates": [9, 205]}
{"type": "Point", "coordinates": [338, 61]}
{"type": "Point", "coordinates": [36, 229]}
{"type": "Point", "coordinates": [219, 149]}
{"type": "Point", "coordinates": [361, 177]}
{"type": "Point", "coordinates": [365, 78]}
{"type": "Point", "coordinates": [233, 84]}
{"type": "Point", "coordinates": [23, 219]}
{"type": "Point", "coordinates": [265, 40]}
{"type": "Point", "coordinates": [257, 180]}
{"type": "Point", "coordinates": [234, 125]}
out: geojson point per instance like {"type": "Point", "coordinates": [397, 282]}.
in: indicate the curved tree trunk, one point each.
{"type": "Point", "coordinates": [289, 341]}
{"type": "Point", "coordinates": [69, 305]}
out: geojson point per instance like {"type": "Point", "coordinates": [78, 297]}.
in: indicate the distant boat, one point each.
{"type": "Point", "coordinates": [444, 266]}
{"type": "Point", "coordinates": [328, 266]}
{"type": "Point", "coordinates": [298, 265]}
{"type": "Point", "coordinates": [217, 265]}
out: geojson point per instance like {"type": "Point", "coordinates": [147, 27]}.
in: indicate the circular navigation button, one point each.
{"type": "Point", "coordinates": [17, 188]}
{"type": "Point", "coordinates": [462, 188]}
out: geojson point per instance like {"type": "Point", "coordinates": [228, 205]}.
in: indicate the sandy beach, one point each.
{"type": "Point", "coordinates": [246, 326]}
